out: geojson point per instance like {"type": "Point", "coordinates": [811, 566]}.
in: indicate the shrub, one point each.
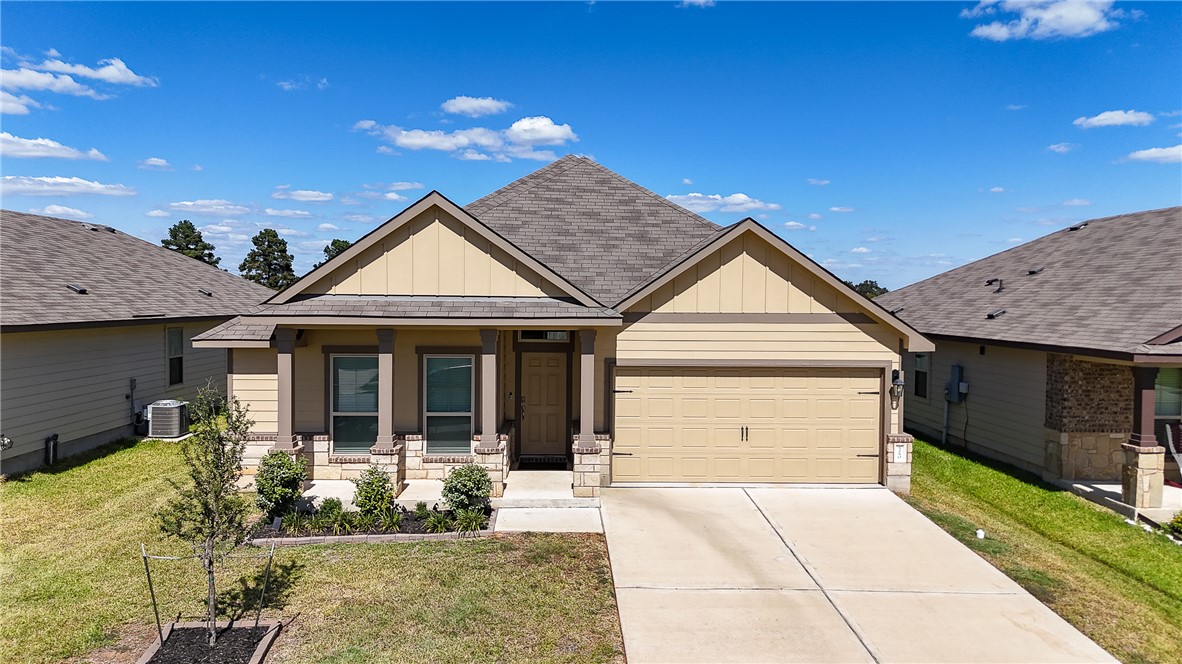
{"type": "Point", "coordinates": [294, 523]}
{"type": "Point", "coordinates": [390, 520]}
{"type": "Point", "coordinates": [437, 522]}
{"type": "Point", "coordinates": [421, 511]}
{"type": "Point", "coordinates": [1174, 526]}
{"type": "Point", "coordinates": [365, 522]}
{"type": "Point", "coordinates": [330, 508]}
{"type": "Point", "coordinates": [279, 482]}
{"type": "Point", "coordinates": [467, 487]}
{"type": "Point", "coordinates": [470, 521]}
{"type": "Point", "coordinates": [373, 491]}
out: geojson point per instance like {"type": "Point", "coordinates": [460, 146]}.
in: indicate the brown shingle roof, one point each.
{"type": "Point", "coordinates": [410, 306]}
{"type": "Point", "coordinates": [125, 278]}
{"type": "Point", "coordinates": [604, 233]}
{"type": "Point", "coordinates": [1111, 285]}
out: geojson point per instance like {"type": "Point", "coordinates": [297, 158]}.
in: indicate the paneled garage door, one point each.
{"type": "Point", "coordinates": [747, 425]}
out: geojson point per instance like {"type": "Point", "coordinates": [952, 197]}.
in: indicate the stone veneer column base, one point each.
{"type": "Point", "coordinates": [1142, 476]}
{"type": "Point", "coordinates": [898, 473]}
{"type": "Point", "coordinates": [496, 461]}
{"type": "Point", "coordinates": [391, 459]}
{"type": "Point", "coordinates": [592, 465]}
{"type": "Point", "coordinates": [1083, 455]}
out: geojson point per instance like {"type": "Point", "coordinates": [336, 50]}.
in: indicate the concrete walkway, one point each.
{"type": "Point", "coordinates": [813, 575]}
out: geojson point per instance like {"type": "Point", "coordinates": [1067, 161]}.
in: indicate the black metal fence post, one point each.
{"type": "Point", "coordinates": [152, 592]}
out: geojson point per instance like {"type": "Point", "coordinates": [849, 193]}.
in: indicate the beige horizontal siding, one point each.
{"type": "Point", "coordinates": [75, 382]}
{"type": "Point", "coordinates": [255, 383]}
{"type": "Point", "coordinates": [1006, 404]}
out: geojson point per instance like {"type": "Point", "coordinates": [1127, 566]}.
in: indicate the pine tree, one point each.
{"type": "Point", "coordinates": [184, 238]}
{"type": "Point", "coordinates": [332, 249]}
{"type": "Point", "coordinates": [269, 263]}
{"type": "Point", "coordinates": [868, 287]}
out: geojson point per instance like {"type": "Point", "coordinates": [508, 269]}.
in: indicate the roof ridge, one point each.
{"type": "Point", "coordinates": [520, 186]}
{"type": "Point", "coordinates": [652, 194]}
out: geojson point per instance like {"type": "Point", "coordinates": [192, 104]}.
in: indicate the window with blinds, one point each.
{"type": "Point", "coordinates": [447, 403]}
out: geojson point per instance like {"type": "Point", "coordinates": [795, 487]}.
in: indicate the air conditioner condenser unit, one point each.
{"type": "Point", "coordinates": [168, 419]}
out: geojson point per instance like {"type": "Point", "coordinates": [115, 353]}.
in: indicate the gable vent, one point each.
{"type": "Point", "coordinates": [995, 314]}
{"type": "Point", "coordinates": [1034, 271]}
{"type": "Point", "coordinates": [77, 288]}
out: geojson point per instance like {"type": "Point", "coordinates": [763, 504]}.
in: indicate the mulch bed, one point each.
{"type": "Point", "coordinates": [190, 645]}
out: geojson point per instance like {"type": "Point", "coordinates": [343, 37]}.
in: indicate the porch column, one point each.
{"type": "Point", "coordinates": [285, 439]}
{"type": "Point", "coordinates": [587, 389]}
{"type": "Point", "coordinates": [385, 388]}
{"type": "Point", "coordinates": [488, 389]}
{"type": "Point", "coordinates": [1143, 473]}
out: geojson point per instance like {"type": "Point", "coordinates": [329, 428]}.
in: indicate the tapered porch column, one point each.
{"type": "Point", "coordinates": [1143, 472]}
{"type": "Point", "coordinates": [488, 389]}
{"type": "Point", "coordinates": [385, 388]}
{"type": "Point", "coordinates": [587, 388]}
{"type": "Point", "coordinates": [285, 439]}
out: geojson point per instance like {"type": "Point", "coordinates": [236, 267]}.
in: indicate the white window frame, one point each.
{"type": "Point", "coordinates": [471, 413]}
{"type": "Point", "coordinates": [522, 339]}
{"type": "Point", "coordinates": [333, 413]}
{"type": "Point", "coordinates": [169, 357]}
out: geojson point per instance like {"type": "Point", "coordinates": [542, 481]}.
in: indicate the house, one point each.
{"type": "Point", "coordinates": [94, 325]}
{"type": "Point", "coordinates": [574, 317]}
{"type": "Point", "coordinates": [1069, 350]}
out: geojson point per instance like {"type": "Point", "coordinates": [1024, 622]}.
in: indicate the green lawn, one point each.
{"type": "Point", "coordinates": [71, 581]}
{"type": "Point", "coordinates": [1116, 583]}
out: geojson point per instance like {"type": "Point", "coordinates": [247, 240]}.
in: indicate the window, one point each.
{"type": "Point", "coordinates": [176, 355]}
{"type": "Point", "coordinates": [1167, 405]}
{"type": "Point", "coordinates": [544, 335]}
{"type": "Point", "coordinates": [354, 403]}
{"type": "Point", "coordinates": [919, 382]}
{"type": "Point", "coordinates": [447, 403]}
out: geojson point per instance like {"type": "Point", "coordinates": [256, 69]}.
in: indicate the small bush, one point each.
{"type": "Point", "coordinates": [294, 523]}
{"type": "Point", "coordinates": [365, 523]}
{"type": "Point", "coordinates": [330, 508]}
{"type": "Point", "coordinates": [421, 511]}
{"type": "Point", "coordinates": [279, 482]}
{"type": "Point", "coordinates": [373, 491]}
{"type": "Point", "coordinates": [470, 521]}
{"type": "Point", "coordinates": [437, 522]}
{"type": "Point", "coordinates": [390, 520]}
{"type": "Point", "coordinates": [467, 487]}
{"type": "Point", "coordinates": [1174, 526]}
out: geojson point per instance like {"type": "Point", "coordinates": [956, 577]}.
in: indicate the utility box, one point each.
{"type": "Point", "coordinates": [168, 419]}
{"type": "Point", "coordinates": [957, 387]}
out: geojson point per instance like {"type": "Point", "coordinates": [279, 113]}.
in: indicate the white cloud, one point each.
{"type": "Point", "coordinates": [997, 190]}
{"type": "Point", "coordinates": [64, 212]}
{"type": "Point", "coordinates": [322, 84]}
{"type": "Point", "coordinates": [859, 250]}
{"type": "Point", "coordinates": [797, 226]}
{"type": "Point", "coordinates": [472, 155]}
{"type": "Point", "coordinates": [290, 214]}
{"type": "Point", "coordinates": [475, 107]}
{"type": "Point", "coordinates": [737, 202]}
{"type": "Point", "coordinates": [1061, 148]}
{"type": "Point", "coordinates": [841, 209]}
{"type": "Point", "coordinates": [156, 213]}
{"type": "Point", "coordinates": [686, 181]}
{"type": "Point", "coordinates": [197, 167]}
{"type": "Point", "coordinates": [815, 216]}
{"type": "Point", "coordinates": [539, 130]}
{"type": "Point", "coordinates": [386, 149]}
{"type": "Point", "coordinates": [29, 79]}
{"type": "Point", "coordinates": [111, 70]}
{"type": "Point", "coordinates": [479, 143]}
{"type": "Point", "coordinates": [701, 4]}
{"type": "Point", "coordinates": [819, 183]}
{"type": "Point", "coordinates": [285, 192]}
{"type": "Point", "coordinates": [1015, 107]}
{"type": "Point", "coordinates": [327, 227]}
{"type": "Point", "coordinates": [11, 104]}
{"type": "Point", "coordinates": [1172, 155]}
{"type": "Point", "coordinates": [1114, 119]}
{"type": "Point", "coordinates": [155, 164]}
{"type": "Point", "coordinates": [1014, 240]}
{"type": "Point", "coordinates": [394, 186]}
{"type": "Point", "coordinates": [1076, 202]}
{"type": "Point", "coordinates": [290, 86]}
{"type": "Point", "coordinates": [215, 206]}
{"type": "Point", "coordinates": [877, 238]}
{"type": "Point", "coordinates": [1044, 19]}
{"type": "Point", "coordinates": [394, 196]}
{"type": "Point", "coordinates": [59, 186]}
{"type": "Point", "coordinates": [282, 230]}
{"type": "Point", "coordinates": [359, 218]}
{"type": "Point", "coordinates": [28, 148]}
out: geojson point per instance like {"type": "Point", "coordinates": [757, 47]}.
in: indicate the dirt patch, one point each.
{"type": "Point", "coordinates": [190, 645]}
{"type": "Point", "coordinates": [132, 641]}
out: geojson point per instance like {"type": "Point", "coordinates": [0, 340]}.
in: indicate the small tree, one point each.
{"type": "Point", "coordinates": [207, 511]}
{"type": "Point", "coordinates": [184, 238]}
{"type": "Point", "coordinates": [269, 263]}
{"type": "Point", "coordinates": [868, 287]}
{"type": "Point", "coordinates": [332, 249]}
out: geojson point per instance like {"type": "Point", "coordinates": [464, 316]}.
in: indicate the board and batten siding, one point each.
{"type": "Point", "coordinates": [75, 382]}
{"type": "Point", "coordinates": [750, 276]}
{"type": "Point", "coordinates": [1005, 408]}
{"type": "Point", "coordinates": [434, 254]}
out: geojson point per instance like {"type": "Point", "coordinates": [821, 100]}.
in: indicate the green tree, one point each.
{"type": "Point", "coordinates": [332, 249]}
{"type": "Point", "coordinates": [269, 263]}
{"type": "Point", "coordinates": [869, 288]}
{"type": "Point", "coordinates": [184, 237]}
{"type": "Point", "coordinates": [207, 511]}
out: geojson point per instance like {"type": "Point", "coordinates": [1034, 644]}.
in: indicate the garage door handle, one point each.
{"type": "Point", "coordinates": [867, 456]}
{"type": "Point", "coordinates": [621, 454]}
{"type": "Point", "coordinates": [874, 392]}
{"type": "Point", "coordinates": [621, 391]}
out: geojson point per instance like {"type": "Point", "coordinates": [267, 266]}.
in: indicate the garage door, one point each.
{"type": "Point", "coordinates": [747, 425]}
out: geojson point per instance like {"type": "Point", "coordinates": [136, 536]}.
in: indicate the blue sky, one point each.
{"type": "Point", "coordinates": [889, 141]}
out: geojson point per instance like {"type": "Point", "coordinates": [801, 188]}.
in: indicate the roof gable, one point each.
{"type": "Point", "coordinates": [429, 249]}
{"type": "Point", "coordinates": [603, 232]}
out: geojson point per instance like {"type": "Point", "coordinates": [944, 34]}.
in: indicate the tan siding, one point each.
{"type": "Point", "coordinates": [434, 254]}
{"type": "Point", "coordinates": [255, 383]}
{"type": "Point", "coordinates": [75, 382]}
{"type": "Point", "coordinates": [1006, 404]}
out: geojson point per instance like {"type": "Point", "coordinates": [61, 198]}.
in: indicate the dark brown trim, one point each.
{"type": "Point", "coordinates": [1045, 348]}
{"type": "Point", "coordinates": [609, 396]}
{"type": "Point", "coordinates": [477, 407]}
{"type": "Point", "coordinates": [1144, 396]}
{"type": "Point", "coordinates": [731, 318]}
{"type": "Point", "coordinates": [161, 320]}
{"type": "Point", "coordinates": [1158, 360]}
{"type": "Point", "coordinates": [1168, 337]}
{"type": "Point", "coordinates": [741, 364]}
{"type": "Point", "coordinates": [394, 321]}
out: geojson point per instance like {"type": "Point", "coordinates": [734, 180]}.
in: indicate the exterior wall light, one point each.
{"type": "Point", "coordinates": [897, 385]}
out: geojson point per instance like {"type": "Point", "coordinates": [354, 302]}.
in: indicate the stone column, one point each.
{"type": "Point", "coordinates": [488, 390]}
{"type": "Point", "coordinates": [898, 462]}
{"type": "Point", "coordinates": [1143, 473]}
{"type": "Point", "coordinates": [285, 439]}
{"type": "Point", "coordinates": [587, 389]}
{"type": "Point", "coordinates": [385, 389]}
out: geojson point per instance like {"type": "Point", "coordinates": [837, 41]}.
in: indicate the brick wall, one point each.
{"type": "Point", "coordinates": [1088, 396]}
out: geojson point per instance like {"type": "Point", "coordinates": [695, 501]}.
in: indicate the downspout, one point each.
{"type": "Point", "coordinates": [944, 433]}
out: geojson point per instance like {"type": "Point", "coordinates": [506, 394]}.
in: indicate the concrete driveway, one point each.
{"type": "Point", "coordinates": [813, 575]}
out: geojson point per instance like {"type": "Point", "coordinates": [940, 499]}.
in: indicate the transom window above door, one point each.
{"type": "Point", "coordinates": [557, 336]}
{"type": "Point", "coordinates": [447, 403]}
{"type": "Point", "coordinates": [354, 403]}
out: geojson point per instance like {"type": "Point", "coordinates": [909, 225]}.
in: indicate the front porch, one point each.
{"type": "Point", "coordinates": [534, 489]}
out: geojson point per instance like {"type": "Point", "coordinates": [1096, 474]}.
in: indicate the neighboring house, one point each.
{"type": "Point", "coordinates": [573, 317]}
{"type": "Point", "coordinates": [1070, 347]}
{"type": "Point", "coordinates": [94, 325]}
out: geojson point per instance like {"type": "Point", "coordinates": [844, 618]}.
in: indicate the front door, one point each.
{"type": "Point", "coordinates": [543, 404]}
